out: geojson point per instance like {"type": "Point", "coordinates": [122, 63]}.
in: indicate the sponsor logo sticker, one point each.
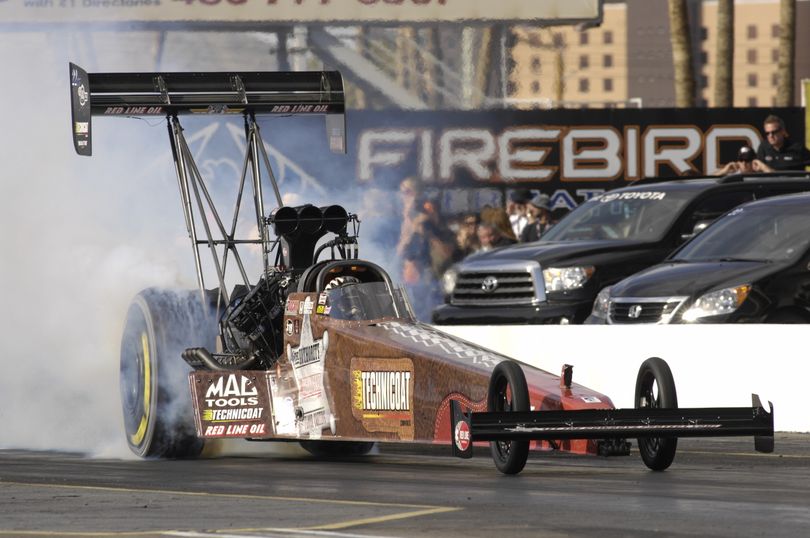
{"type": "Point", "coordinates": [382, 395]}
{"type": "Point", "coordinates": [590, 399]}
{"type": "Point", "coordinates": [462, 435]}
{"type": "Point", "coordinates": [81, 127]}
{"type": "Point", "coordinates": [289, 327]}
{"type": "Point", "coordinates": [292, 306]}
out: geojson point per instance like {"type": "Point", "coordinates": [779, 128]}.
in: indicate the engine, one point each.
{"type": "Point", "coordinates": [252, 325]}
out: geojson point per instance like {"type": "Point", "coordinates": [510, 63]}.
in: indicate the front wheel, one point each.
{"type": "Point", "coordinates": [655, 388]}
{"type": "Point", "coordinates": [155, 396]}
{"type": "Point", "coordinates": [508, 392]}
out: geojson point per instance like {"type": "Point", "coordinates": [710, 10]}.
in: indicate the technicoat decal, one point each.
{"type": "Point", "coordinates": [382, 395]}
{"type": "Point", "coordinates": [431, 338]}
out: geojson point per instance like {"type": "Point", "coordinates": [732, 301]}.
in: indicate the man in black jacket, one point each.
{"type": "Point", "coordinates": [539, 213]}
{"type": "Point", "coordinates": [778, 151]}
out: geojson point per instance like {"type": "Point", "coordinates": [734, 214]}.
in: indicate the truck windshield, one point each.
{"type": "Point", "coordinates": [367, 301]}
{"type": "Point", "coordinates": [634, 215]}
{"type": "Point", "coordinates": [772, 232]}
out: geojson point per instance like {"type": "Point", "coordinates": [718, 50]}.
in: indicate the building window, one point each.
{"type": "Point", "coordinates": [583, 38]}
{"type": "Point", "coordinates": [775, 56]}
{"type": "Point", "coordinates": [583, 61]}
{"type": "Point", "coordinates": [584, 85]}
{"type": "Point", "coordinates": [752, 80]}
{"type": "Point", "coordinates": [704, 81]}
{"type": "Point", "coordinates": [535, 86]}
{"type": "Point", "coordinates": [607, 60]}
{"type": "Point", "coordinates": [776, 30]}
{"type": "Point", "coordinates": [607, 84]}
{"type": "Point", "coordinates": [536, 64]}
{"type": "Point", "coordinates": [752, 101]}
{"type": "Point", "coordinates": [751, 31]}
{"type": "Point", "coordinates": [704, 57]}
{"type": "Point", "coordinates": [751, 56]}
{"type": "Point", "coordinates": [775, 80]}
{"type": "Point", "coordinates": [704, 33]}
{"type": "Point", "coordinates": [608, 36]}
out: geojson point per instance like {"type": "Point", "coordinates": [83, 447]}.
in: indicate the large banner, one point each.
{"type": "Point", "coordinates": [306, 11]}
{"type": "Point", "coordinates": [467, 160]}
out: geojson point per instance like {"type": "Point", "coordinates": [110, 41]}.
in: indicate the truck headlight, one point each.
{"type": "Point", "coordinates": [601, 305]}
{"type": "Point", "coordinates": [449, 279]}
{"type": "Point", "coordinates": [718, 302]}
{"type": "Point", "coordinates": [566, 278]}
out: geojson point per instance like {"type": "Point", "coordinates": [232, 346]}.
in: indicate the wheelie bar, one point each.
{"type": "Point", "coordinates": [612, 423]}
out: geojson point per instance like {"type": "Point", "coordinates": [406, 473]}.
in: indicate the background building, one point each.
{"type": "Point", "coordinates": [628, 58]}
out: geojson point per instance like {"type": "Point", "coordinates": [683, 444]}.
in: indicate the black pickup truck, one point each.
{"type": "Point", "coordinates": [604, 240]}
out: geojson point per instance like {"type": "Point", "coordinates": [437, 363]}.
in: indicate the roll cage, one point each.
{"type": "Point", "coordinates": [249, 94]}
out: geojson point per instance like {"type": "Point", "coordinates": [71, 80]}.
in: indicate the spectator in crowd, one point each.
{"type": "Point", "coordinates": [499, 219]}
{"type": "Point", "coordinates": [409, 192]}
{"type": "Point", "coordinates": [467, 235]}
{"type": "Point", "coordinates": [558, 213]}
{"type": "Point", "coordinates": [428, 250]}
{"type": "Point", "coordinates": [746, 163]}
{"type": "Point", "coordinates": [489, 237]}
{"type": "Point", "coordinates": [516, 209]}
{"type": "Point", "coordinates": [538, 212]}
{"type": "Point", "coordinates": [778, 151]}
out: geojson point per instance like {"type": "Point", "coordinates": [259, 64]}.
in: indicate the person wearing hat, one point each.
{"type": "Point", "coordinates": [516, 209]}
{"type": "Point", "coordinates": [538, 214]}
{"type": "Point", "coordinates": [746, 163]}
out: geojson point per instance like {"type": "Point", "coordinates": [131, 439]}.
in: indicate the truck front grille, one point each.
{"type": "Point", "coordinates": [494, 288]}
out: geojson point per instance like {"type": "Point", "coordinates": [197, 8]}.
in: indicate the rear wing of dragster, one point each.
{"type": "Point", "coordinates": [172, 94]}
{"type": "Point", "coordinates": [249, 94]}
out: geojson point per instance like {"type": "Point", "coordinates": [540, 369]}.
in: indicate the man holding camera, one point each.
{"type": "Point", "coordinates": [746, 163]}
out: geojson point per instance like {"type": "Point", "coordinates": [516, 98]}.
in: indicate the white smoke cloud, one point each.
{"type": "Point", "coordinates": [81, 236]}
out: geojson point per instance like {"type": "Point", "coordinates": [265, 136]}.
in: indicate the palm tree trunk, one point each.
{"type": "Point", "coordinates": [787, 53]}
{"type": "Point", "coordinates": [724, 59]}
{"type": "Point", "coordinates": [681, 54]}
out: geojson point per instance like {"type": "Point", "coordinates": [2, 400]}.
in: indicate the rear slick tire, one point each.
{"type": "Point", "coordinates": [508, 392]}
{"type": "Point", "coordinates": [655, 388]}
{"type": "Point", "coordinates": [155, 396]}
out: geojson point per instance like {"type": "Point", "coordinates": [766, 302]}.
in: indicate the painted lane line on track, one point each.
{"type": "Point", "coordinates": [317, 530]}
{"type": "Point", "coordinates": [225, 495]}
{"type": "Point", "coordinates": [275, 534]}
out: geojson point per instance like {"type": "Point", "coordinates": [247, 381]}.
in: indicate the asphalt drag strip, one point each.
{"type": "Point", "coordinates": [716, 487]}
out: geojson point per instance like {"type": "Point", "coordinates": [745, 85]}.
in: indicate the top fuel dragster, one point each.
{"type": "Point", "coordinates": [327, 351]}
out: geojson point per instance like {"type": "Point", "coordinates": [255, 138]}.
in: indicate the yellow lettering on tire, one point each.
{"type": "Point", "coordinates": [137, 437]}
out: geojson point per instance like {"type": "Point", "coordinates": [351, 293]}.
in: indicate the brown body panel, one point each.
{"type": "Point", "coordinates": [380, 380]}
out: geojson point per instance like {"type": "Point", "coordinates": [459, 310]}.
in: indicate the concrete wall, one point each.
{"type": "Point", "coordinates": [713, 365]}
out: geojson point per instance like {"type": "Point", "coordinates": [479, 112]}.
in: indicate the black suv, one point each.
{"type": "Point", "coordinates": [610, 237]}
{"type": "Point", "coordinates": [751, 265]}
